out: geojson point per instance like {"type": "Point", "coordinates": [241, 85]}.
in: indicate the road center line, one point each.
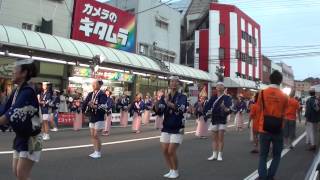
{"type": "Point", "coordinates": [255, 174]}
{"type": "Point", "coordinates": [104, 144]}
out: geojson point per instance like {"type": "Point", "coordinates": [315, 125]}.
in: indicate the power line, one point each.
{"type": "Point", "coordinates": [165, 3]}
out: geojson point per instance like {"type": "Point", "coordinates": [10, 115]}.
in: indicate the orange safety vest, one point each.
{"type": "Point", "coordinates": [254, 115]}
{"type": "Point", "coordinates": [293, 108]}
{"type": "Point", "coordinates": [275, 104]}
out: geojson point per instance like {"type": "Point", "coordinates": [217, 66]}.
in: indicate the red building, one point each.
{"type": "Point", "coordinates": [233, 41]}
{"type": "Point", "coordinates": [266, 70]}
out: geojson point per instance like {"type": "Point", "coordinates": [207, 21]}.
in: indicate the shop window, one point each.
{"type": "Point", "coordinates": [27, 26]}
{"type": "Point", "coordinates": [221, 29]}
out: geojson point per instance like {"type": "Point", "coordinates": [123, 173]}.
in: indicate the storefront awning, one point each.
{"type": "Point", "coordinates": [239, 83]}
{"type": "Point", "coordinates": [189, 72]}
{"type": "Point", "coordinates": [15, 37]}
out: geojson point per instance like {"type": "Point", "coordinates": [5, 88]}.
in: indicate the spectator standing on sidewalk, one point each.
{"type": "Point", "coordinates": [272, 106]}
{"type": "Point", "coordinates": [312, 119]}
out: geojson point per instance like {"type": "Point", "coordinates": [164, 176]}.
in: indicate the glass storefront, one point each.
{"type": "Point", "coordinates": [118, 82]}
{"type": "Point", "coordinates": [150, 85]}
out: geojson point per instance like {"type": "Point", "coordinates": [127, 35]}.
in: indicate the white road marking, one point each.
{"type": "Point", "coordinates": [105, 144]}
{"type": "Point", "coordinates": [255, 174]}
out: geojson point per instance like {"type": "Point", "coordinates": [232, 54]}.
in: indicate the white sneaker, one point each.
{"type": "Point", "coordinates": [95, 155]}
{"type": "Point", "coordinates": [54, 129]}
{"type": "Point", "coordinates": [219, 156]}
{"type": "Point", "coordinates": [46, 137]}
{"type": "Point", "coordinates": [213, 157]}
{"type": "Point", "coordinates": [168, 174]}
{"type": "Point", "coordinates": [174, 175]}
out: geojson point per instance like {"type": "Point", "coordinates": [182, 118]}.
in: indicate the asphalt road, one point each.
{"type": "Point", "coordinates": [66, 157]}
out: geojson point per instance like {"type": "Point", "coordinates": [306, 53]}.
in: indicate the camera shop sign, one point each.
{"type": "Point", "coordinates": [102, 24]}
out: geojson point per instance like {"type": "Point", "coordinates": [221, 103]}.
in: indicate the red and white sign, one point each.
{"type": "Point", "coordinates": [102, 24]}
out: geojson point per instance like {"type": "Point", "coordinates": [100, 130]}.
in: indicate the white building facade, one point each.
{"type": "Point", "coordinates": [158, 30]}
{"type": "Point", "coordinates": [50, 16]}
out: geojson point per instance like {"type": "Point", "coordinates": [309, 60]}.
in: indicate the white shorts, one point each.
{"type": "Point", "coordinates": [217, 127]}
{"type": "Point", "coordinates": [171, 138]}
{"type": "Point", "coordinates": [97, 125]}
{"type": "Point", "coordinates": [35, 156]}
{"type": "Point", "coordinates": [45, 117]}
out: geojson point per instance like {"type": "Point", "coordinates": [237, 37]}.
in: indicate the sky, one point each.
{"type": "Point", "coordinates": [288, 27]}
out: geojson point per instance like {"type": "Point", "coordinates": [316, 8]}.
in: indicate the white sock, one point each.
{"type": "Point", "coordinates": [174, 171]}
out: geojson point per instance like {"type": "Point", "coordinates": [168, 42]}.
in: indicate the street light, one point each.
{"type": "Point", "coordinates": [220, 73]}
{"type": "Point", "coordinates": [97, 60]}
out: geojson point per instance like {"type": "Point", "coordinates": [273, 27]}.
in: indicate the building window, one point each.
{"type": "Point", "coordinates": [254, 42]}
{"type": "Point", "coordinates": [37, 28]}
{"type": "Point", "coordinates": [27, 26]}
{"type": "Point", "coordinates": [265, 68]}
{"type": "Point", "coordinates": [221, 29]}
{"type": "Point", "coordinates": [250, 60]}
{"type": "Point", "coordinates": [243, 35]}
{"type": "Point", "coordinates": [162, 24]}
{"type": "Point", "coordinates": [221, 53]}
{"type": "Point", "coordinates": [244, 57]}
{"type": "Point", "coordinates": [238, 54]}
{"type": "Point", "coordinates": [171, 59]}
{"type": "Point", "coordinates": [144, 49]}
{"type": "Point", "coordinates": [198, 50]}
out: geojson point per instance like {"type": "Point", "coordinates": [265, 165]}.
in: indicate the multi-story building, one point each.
{"type": "Point", "coordinates": [275, 66]}
{"type": "Point", "coordinates": [266, 69]}
{"type": "Point", "coordinates": [52, 17]}
{"type": "Point", "coordinates": [195, 17]}
{"type": "Point", "coordinates": [313, 81]}
{"type": "Point", "coordinates": [48, 16]}
{"type": "Point", "coordinates": [233, 43]}
{"type": "Point", "coordinates": [70, 64]}
{"type": "Point", "coordinates": [158, 29]}
{"type": "Point", "coordinates": [302, 87]}
{"type": "Point", "coordinates": [287, 72]}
